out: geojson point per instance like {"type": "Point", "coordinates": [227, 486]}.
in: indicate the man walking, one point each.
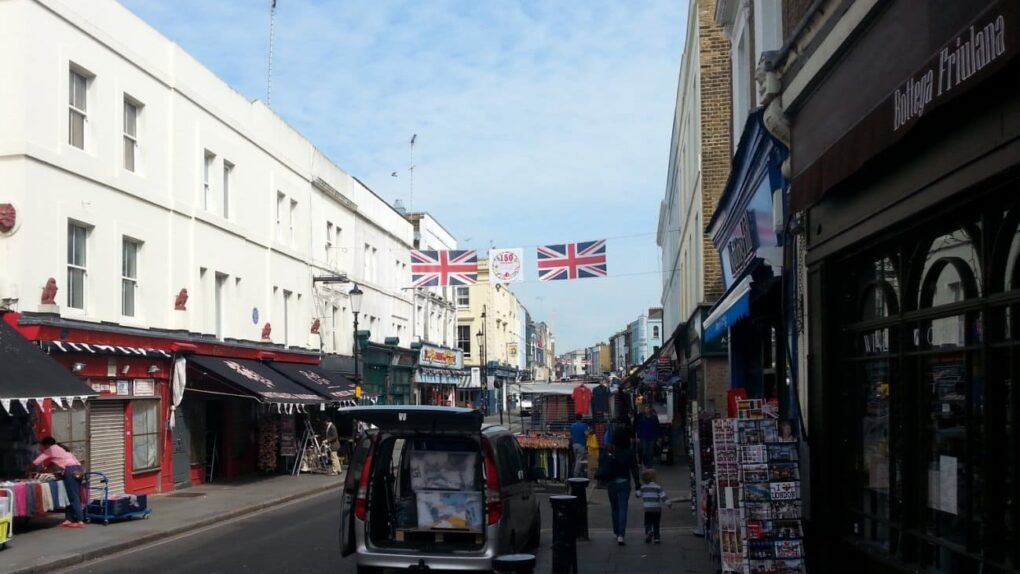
{"type": "Point", "coordinates": [647, 430]}
{"type": "Point", "coordinates": [578, 439]}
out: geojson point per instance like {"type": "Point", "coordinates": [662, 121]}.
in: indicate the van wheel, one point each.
{"type": "Point", "coordinates": [369, 570]}
{"type": "Point", "coordinates": [535, 532]}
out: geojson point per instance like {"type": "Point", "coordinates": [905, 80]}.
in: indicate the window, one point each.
{"type": "Point", "coordinates": [335, 326]}
{"type": "Point", "coordinates": [129, 276]}
{"type": "Point", "coordinates": [228, 170]}
{"type": "Point", "coordinates": [292, 220]}
{"type": "Point", "coordinates": [77, 108]}
{"type": "Point", "coordinates": [144, 434]}
{"type": "Point", "coordinates": [210, 158]}
{"type": "Point", "coordinates": [286, 316]}
{"type": "Point", "coordinates": [329, 241]}
{"type": "Point", "coordinates": [463, 297]}
{"type": "Point", "coordinates": [368, 262]}
{"type": "Point", "coordinates": [77, 236]}
{"type": "Point", "coordinates": [70, 428]}
{"type": "Point", "coordinates": [131, 111]}
{"type": "Point", "coordinates": [655, 332]}
{"type": "Point", "coordinates": [464, 339]}
{"type": "Point", "coordinates": [221, 285]}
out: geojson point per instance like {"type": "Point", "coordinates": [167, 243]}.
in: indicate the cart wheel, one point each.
{"type": "Point", "coordinates": [146, 517]}
{"type": "Point", "coordinates": [106, 523]}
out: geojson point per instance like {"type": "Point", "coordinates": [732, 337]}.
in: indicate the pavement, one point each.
{"type": "Point", "coordinates": [40, 546]}
{"type": "Point", "coordinates": [285, 523]}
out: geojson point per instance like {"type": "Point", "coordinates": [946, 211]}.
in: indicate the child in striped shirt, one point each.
{"type": "Point", "coordinates": [653, 497]}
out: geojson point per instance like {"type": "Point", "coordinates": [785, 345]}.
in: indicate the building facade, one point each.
{"type": "Point", "coordinates": [699, 159]}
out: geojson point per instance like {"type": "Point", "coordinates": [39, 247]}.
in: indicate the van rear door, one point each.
{"type": "Point", "coordinates": [348, 544]}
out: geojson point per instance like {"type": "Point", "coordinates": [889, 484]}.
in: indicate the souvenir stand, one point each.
{"type": "Point", "coordinates": [757, 476]}
{"type": "Point", "coordinates": [35, 493]}
{"type": "Point", "coordinates": [546, 442]}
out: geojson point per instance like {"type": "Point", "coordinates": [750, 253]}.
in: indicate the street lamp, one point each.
{"type": "Point", "coordinates": [356, 295]}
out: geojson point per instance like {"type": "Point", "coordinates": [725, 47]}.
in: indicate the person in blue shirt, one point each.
{"type": "Point", "coordinates": [647, 430]}
{"type": "Point", "coordinates": [578, 440]}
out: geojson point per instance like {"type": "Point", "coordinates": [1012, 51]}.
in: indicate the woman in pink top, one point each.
{"type": "Point", "coordinates": [54, 455]}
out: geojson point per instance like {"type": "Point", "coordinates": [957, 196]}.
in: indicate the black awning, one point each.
{"type": "Point", "coordinates": [334, 386]}
{"type": "Point", "coordinates": [26, 372]}
{"type": "Point", "coordinates": [257, 379]}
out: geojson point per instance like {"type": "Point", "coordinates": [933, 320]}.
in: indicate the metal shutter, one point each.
{"type": "Point", "coordinates": [106, 442]}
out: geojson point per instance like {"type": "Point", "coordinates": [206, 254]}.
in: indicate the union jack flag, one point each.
{"type": "Point", "coordinates": [438, 268]}
{"type": "Point", "coordinates": [572, 260]}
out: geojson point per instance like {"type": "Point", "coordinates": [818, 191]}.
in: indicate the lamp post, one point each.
{"type": "Point", "coordinates": [356, 295]}
{"type": "Point", "coordinates": [480, 339]}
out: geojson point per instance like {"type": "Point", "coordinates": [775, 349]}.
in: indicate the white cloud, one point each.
{"type": "Point", "coordinates": [537, 121]}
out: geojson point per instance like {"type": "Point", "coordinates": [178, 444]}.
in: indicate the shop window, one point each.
{"type": "Point", "coordinates": [144, 435]}
{"type": "Point", "coordinates": [951, 271]}
{"type": "Point", "coordinates": [70, 428]}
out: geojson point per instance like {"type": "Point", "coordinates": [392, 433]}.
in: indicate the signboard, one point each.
{"type": "Point", "coordinates": [433, 356]}
{"type": "Point", "coordinates": [511, 349]}
{"type": "Point", "coordinates": [506, 265]}
{"type": "Point", "coordinates": [145, 387]}
{"type": "Point", "coordinates": [476, 377]}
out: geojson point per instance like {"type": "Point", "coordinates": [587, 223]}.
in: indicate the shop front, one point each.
{"type": "Point", "coordinates": [913, 253]}
{"type": "Point", "coordinates": [387, 370]}
{"type": "Point", "coordinates": [747, 233]}
{"type": "Point", "coordinates": [438, 374]}
{"type": "Point", "coordinates": [32, 387]}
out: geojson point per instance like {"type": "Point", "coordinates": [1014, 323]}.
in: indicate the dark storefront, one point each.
{"type": "Point", "coordinates": [387, 371]}
{"type": "Point", "coordinates": [913, 253]}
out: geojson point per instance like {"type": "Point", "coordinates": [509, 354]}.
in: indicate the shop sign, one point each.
{"type": "Point", "coordinates": [743, 243]}
{"type": "Point", "coordinates": [511, 349]}
{"type": "Point", "coordinates": [145, 387]}
{"type": "Point", "coordinates": [432, 356]}
{"type": "Point", "coordinates": [123, 388]}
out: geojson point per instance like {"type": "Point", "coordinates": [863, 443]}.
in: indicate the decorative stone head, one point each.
{"type": "Point", "coordinates": [8, 217]}
{"type": "Point", "coordinates": [267, 330]}
{"type": "Point", "coordinates": [315, 327]}
{"type": "Point", "coordinates": [49, 292]}
{"type": "Point", "coordinates": [181, 302]}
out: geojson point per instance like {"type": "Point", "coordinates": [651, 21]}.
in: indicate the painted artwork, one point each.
{"type": "Point", "coordinates": [442, 470]}
{"type": "Point", "coordinates": [438, 509]}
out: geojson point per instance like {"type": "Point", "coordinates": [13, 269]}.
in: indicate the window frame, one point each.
{"type": "Point", "coordinates": [75, 267]}
{"type": "Point", "coordinates": [74, 110]}
{"type": "Point", "coordinates": [128, 280]}
{"type": "Point", "coordinates": [131, 136]}
{"type": "Point", "coordinates": [228, 175]}
{"type": "Point", "coordinates": [466, 291]}
{"type": "Point", "coordinates": [208, 164]}
{"type": "Point", "coordinates": [149, 434]}
{"type": "Point", "coordinates": [464, 344]}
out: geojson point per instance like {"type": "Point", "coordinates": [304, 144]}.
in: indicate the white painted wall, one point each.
{"type": "Point", "coordinates": [186, 112]}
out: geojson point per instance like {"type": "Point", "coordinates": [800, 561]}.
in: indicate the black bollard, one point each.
{"type": "Point", "coordinates": [564, 544]}
{"type": "Point", "coordinates": [514, 564]}
{"type": "Point", "coordinates": [579, 489]}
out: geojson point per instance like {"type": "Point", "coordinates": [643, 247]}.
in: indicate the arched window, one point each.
{"type": "Point", "coordinates": [655, 332]}
{"type": "Point", "coordinates": [951, 271]}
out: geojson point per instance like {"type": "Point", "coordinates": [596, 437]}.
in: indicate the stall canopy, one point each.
{"type": "Point", "coordinates": [735, 306]}
{"type": "Point", "coordinates": [29, 374]}
{"type": "Point", "coordinates": [338, 388]}
{"type": "Point", "coordinates": [257, 379]}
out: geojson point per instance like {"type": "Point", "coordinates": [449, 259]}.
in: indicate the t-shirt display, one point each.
{"type": "Point", "coordinates": [582, 399]}
{"type": "Point", "coordinates": [600, 399]}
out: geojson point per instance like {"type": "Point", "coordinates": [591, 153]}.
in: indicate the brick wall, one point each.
{"type": "Point", "coordinates": [716, 121]}
{"type": "Point", "coordinates": [716, 383]}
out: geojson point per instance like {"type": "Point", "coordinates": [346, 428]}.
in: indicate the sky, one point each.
{"type": "Point", "coordinates": [537, 122]}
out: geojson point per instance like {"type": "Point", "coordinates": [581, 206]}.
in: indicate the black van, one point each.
{"type": "Point", "coordinates": [435, 487]}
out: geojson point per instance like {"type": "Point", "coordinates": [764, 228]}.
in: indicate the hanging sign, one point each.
{"type": "Point", "coordinates": [506, 265]}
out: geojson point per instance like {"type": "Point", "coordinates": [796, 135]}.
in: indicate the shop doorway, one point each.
{"type": "Point", "coordinates": [182, 451]}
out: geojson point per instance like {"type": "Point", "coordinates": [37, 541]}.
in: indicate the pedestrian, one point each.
{"type": "Point", "coordinates": [578, 440]}
{"type": "Point", "coordinates": [647, 428]}
{"type": "Point", "coordinates": [54, 456]}
{"type": "Point", "coordinates": [653, 497]}
{"type": "Point", "coordinates": [617, 467]}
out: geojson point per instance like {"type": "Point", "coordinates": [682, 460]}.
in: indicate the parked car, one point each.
{"type": "Point", "coordinates": [434, 487]}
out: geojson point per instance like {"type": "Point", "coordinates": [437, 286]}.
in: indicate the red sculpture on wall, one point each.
{"type": "Point", "coordinates": [266, 330]}
{"type": "Point", "coordinates": [49, 292]}
{"type": "Point", "coordinates": [8, 217]}
{"type": "Point", "coordinates": [315, 327]}
{"type": "Point", "coordinates": [181, 302]}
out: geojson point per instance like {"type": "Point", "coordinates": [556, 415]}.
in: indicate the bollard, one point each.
{"type": "Point", "coordinates": [579, 489]}
{"type": "Point", "coordinates": [514, 564]}
{"type": "Point", "coordinates": [564, 543]}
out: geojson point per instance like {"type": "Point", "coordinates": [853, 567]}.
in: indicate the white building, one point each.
{"type": "Point", "coordinates": [435, 311]}
{"type": "Point", "coordinates": [135, 173]}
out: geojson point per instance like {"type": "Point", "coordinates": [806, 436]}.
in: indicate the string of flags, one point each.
{"type": "Point", "coordinates": [24, 402]}
{"type": "Point", "coordinates": [564, 261]}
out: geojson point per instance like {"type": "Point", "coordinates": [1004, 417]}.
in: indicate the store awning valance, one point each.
{"type": "Point", "coordinates": [29, 374]}
{"type": "Point", "coordinates": [735, 306]}
{"type": "Point", "coordinates": [334, 386]}
{"type": "Point", "coordinates": [257, 379]}
{"type": "Point", "coordinates": [440, 376]}
{"type": "Point", "coordinates": [68, 347]}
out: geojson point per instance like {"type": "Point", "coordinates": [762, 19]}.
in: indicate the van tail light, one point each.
{"type": "Point", "coordinates": [361, 502]}
{"type": "Point", "coordinates": [493, 502]}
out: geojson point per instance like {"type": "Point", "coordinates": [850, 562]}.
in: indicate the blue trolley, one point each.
{"type": "Point", "coordinates": [105, 509]}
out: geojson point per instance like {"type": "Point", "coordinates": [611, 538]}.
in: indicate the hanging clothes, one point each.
{"type": "Point", "coordinates": [600, 400]}
{"type": "Point", "coordinates": [582, 399]}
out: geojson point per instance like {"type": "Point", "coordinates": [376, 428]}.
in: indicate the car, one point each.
{"type": "Point", "coordinates": [435, 488]}
{"type": "Point", "coordinates": [525, 407]}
